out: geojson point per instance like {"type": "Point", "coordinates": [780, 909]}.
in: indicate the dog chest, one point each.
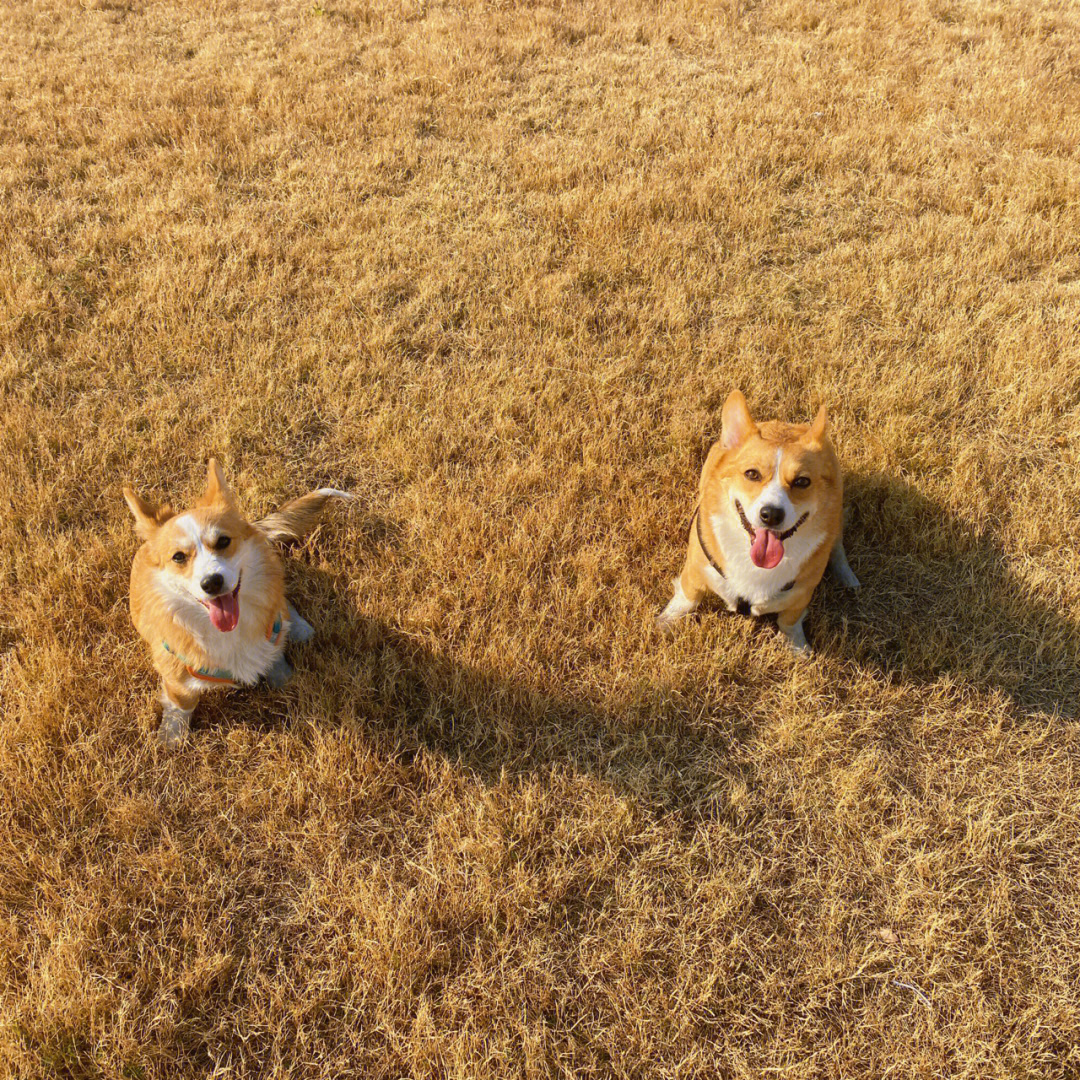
{"type": "Point", "coordinates": [746, 586]}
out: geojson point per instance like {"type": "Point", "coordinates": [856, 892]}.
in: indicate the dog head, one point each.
{"type": "Point", "coordinates": [198, 557]}
{"type": "Point", "coordinates": [775, 479]}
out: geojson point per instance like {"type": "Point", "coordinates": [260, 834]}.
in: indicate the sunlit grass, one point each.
{"type": "Point", "coordinates": [494, 268]}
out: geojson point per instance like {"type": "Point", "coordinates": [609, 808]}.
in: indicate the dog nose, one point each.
{"type": "Point", "coordinates": [211, 584]}
{"type": "Point", "coordinates": [771, 516]}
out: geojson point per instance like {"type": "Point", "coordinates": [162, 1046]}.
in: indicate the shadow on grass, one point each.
{"type": "Point", "coordinates": [668, 748]}
{"type": "Point", "coordinates": [937, 600]}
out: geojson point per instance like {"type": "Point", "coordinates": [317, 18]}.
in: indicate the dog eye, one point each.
{"type": "Point", "coordinates": [801, 482]}
{"type": "Point", "coordinates": [180, 557]}
{"type": "Point", "coordinates": [221, 543]}
{"type": "Point", "coordinates": [752, 474]}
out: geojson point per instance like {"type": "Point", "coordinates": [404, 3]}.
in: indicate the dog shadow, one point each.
{"type": "Point", "coordinates": [668, 749]}
{"type": "Point", "coordinates": [410, 700]}
{"type": "Point", "coordinates": [938, 600]}
{"type": "Point", "coordinates": [942, 599]}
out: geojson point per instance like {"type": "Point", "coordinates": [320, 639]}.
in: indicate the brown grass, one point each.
{"type": "Point", "coordinates": [494, 267]}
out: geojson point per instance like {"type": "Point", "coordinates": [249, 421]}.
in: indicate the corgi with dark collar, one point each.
{"type": "Point", "coordinates": [768, 521]}
{"type": "Point", "coordinates": [208, 594]}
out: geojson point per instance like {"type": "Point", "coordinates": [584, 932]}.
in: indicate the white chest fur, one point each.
{"type": "Point", "coordinates": [246, 652]}
{"type": "Point", "coordinates": [763, 590]}
{"type": "Point", "coordinates": [247, 657]}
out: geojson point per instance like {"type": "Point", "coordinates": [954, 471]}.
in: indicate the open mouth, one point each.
{"type": "Point", "coordinates": [224, 611]}
{"type": "Point", "coordinates": [767, 545]}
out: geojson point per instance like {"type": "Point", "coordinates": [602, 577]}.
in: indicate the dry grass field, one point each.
{"type": "Point", "coordinates": [494, 267]}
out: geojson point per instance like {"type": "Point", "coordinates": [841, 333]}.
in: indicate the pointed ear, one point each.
{"type": "Point", "coordinates": [148, 518]}
{"type": "Point", "coordinates": [218, 492]}
{"type": "Point", "coordinates": [736, 423]}
{"type": "Point", "coordinates": [816, 432]}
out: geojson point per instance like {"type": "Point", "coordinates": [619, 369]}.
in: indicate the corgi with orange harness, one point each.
{"type": "Point", "coordinates": [768, 521]}
{"type": "Point", "coordinates": [208, 594]}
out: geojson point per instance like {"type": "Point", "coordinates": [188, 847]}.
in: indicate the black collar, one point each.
{"type": "Point", "coordinates": [701, 540]}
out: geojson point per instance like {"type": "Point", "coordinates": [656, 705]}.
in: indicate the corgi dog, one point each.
{"type": "Point", "coordinates": [208, 594]}
{"type": "Point", "coordinates": [768, 521]}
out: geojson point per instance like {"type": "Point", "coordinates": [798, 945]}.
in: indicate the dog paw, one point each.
{"type": "Point", "coordinates": [796, 641]}
{"type": "Point", "coordinates": [279, 674]}
{"type": "Point", "coordinates": [300, 630]}
{"type": "Point", "coordinates": [173, 729]}
{"type": "Point", "coordinates": [850, 581]}
{"type": "Point", "coordinates": [678, 607]}
{"type": "Point", "coordinates": [841, 568]}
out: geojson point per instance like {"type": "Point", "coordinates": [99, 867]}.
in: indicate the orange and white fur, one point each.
{"type": "Point", "coordinates": [208, 595]}
{"type": "Point", "coordinates": [768, 521]}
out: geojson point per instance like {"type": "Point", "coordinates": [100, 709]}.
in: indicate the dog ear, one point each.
{"type": "Point", "coordinates": [148, 518]}
{"type": "Point", "coordinates": [218, 492]}
{"type": "Point", "coordinates": [816, 432]}
{"type": "Point", "coordinates": [736, 423]}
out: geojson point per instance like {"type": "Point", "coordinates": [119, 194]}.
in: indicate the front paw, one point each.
{"type": "Point", "coordinates": [796, 641]}
{"type": "Point", "coordinates": [678, 607]}
{"type": "Point", "coordinates": [173, 729]}
{"type": "Point", "coordinates": [279, 674]}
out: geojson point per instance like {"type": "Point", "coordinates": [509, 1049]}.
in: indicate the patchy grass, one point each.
{"type": "Point", "coordinates": [494, 267]}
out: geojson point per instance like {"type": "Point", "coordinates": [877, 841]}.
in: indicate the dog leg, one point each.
{"type": "Point", "coordinates": [279, 674]}
{"type": "Point", "coordinates": [691, 586]}
{"type": "Point", "coordinates": [688, 594]}
{"type": "Point", "coordinates": [176, 709]}
{"type": "Point", "coordinates": [300, 630]}
{"type": "Point", "coordinates": [792, 629]}
{"type": "Point", "coordinates": [838, 561]}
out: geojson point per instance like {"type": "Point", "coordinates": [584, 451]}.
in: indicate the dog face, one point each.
{"type": "Point", "coordinates": [774, 480]}
{"type": "Point", "coordinates": [199, 556]}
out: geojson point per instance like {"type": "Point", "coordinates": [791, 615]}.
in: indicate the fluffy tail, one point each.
{"type": "Point", "coordinates": [297, 518]}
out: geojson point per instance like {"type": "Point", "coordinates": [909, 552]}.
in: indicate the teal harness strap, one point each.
{"type": "Point", "coordinates": [209, 674]}
{"type": "Point", "coordinates": [220, 675]}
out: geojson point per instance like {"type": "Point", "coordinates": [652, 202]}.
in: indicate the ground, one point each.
{"type": "Point", "coordinates": [494, 268]}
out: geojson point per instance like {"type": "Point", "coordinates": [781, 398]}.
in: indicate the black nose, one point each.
{"type": "Point", "coordinates": [211, 584]}
{"type": "Point", "coordinates": [771, 516]}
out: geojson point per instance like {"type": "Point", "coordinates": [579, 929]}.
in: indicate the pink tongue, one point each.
{"type": "Point", "coordinates": [225, 611]}
{"type": "Point", "coordinates": [767, 549]}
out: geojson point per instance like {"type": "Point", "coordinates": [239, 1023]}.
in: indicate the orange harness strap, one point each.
{"type": "Point", "coordinates": [219, 676]}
